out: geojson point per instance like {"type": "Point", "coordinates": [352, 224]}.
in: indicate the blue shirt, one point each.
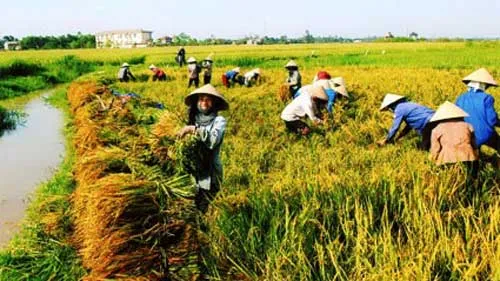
{"type": "Point", "coordinates": [331, 99]}
{"type": "Point", "coordinates": [415, 115]}
{"type": "Point", "coordinates": [482, 115]}
{"type": "Point", "coordinates": [231, 74]}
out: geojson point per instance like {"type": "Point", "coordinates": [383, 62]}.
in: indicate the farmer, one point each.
{"type": "Point", "coordinates": [230, 78]}
{"type": "Point", "coordinates": [158, 74]}
{"type": "Point", "coordinates": [480, 107]}
{"type": "Point", "coordinates": [308, 103]}
{"type": "Point", "coordinates": [194, 72]}
{"type": "Point", "coordinates": [322, 75]}
{"type": "Point", "coordinates": [124, 74]}
{"type": "Point", "coordinates": [334, 88]}
{"type": "Point", "coordinates": [415, 116]}
{"type": "Point", "coordinates": [207, 74]}
{"type": "Point", "coordinates": [203, 105]}
{"type": "Point", "coordinates": [452, 139]}
{"type": "Point", "coordinates": [252, 77]}
{"type": "Point", "coordinates": [294, 80]}
{"type": "Point", "coordinates": [180, 58]}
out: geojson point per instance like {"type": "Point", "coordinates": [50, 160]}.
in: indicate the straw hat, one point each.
{"type": "Point", "coordinates": [209, 58]}
{"type": "Point", "coordinates": [291, 63]}
{"type": "Point", "coordinates": [236, 69]}
{"type": "Point", "coordinates": [191, 60]}
{"type": "Point", "coordinates": [447, 111]}
{"type": "Point", "coordinates": [125, 64]}
{"type": "Point", "coordinates": [390, 99]}
{"type": "Point", "coordinates": [152, 66]}
{"type": "Point", "coordinates": [338, 84]}
{"type": "Point", "coordinates": [207, 90]}
{"type": "Point", "coordinates": [317, 91]}
{"type": "Point", "coordinates": [480, 75]}
{"type": "Point", "coordinates": [257, 70]}
{"type": "Point", "coordinates": [322, 83]}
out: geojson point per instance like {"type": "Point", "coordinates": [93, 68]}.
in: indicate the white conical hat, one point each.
{"type": "Point", "coordinates": [390, 99]}
{"type": "Point", "coordinates": [338, 84]}
{"type": "Point", "coordinates": [291, 63]}
{"type": "Point", "coordinates": [191, 60]}
{"type": "Point", "coordinates": [480, 75]}
{"type": "Point", "coordinates": [318, 92]}
{"type": "Point", "coordinates": [323, 83]}
{"type": "Point", "coordinates": [447, 111]}
{"type": "Point", "coordinates": [207, 90]}
{"type": "Point", "coordinates": [257, 70]}
{"type": "Point", "coordinates": [236, 69]}
{"type": "Point", "coordinates": [125, 64]}
{"type": "Point", "coordinates": [152, 66]}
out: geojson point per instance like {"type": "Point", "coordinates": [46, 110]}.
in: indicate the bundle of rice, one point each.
{"type": "Point", "coordinates": [283, 93]}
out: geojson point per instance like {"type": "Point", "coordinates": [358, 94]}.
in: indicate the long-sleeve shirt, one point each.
{"type": "Point", "coordinates": [212, 136]}
{"type": "Point", "coordinates": [482, 115]}
{"type": "Point", "coordinates": [207, 65]}
{"type": "Point", "coordinates": [193, 70]}
{"type": "Point", "coordinates": [294, 79]}
{"type": "Point", "coordinates": [415, 115]}
{"type": "Point", "coordinates": [300, 107]}
{"type": "Point", "coordinates": [231, 75]}
{"type": "Point", "coordinates": [331, 99]}
{"type": "Point", "coordinates": [249, 76]}
{"type": "Point", "coordinates": [453, 141]}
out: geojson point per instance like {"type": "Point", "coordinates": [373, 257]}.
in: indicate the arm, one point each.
{"type": "Point", "coordinates": [491, 115]}
{"type": "Point", "coordinates": [403, 133]}
{"type": "Point", "coordinates": [214, 136]}
{"type": "Point", "coordinates": [131, 75]}
{"type": "Point", "coordinates": [435, 145]}
{"type": "Point", "coordinates": [309, 109]}
{"type": "Point", "coordinates": [331, 100]}
{"type": "Point", "coordinates": [398, 119]}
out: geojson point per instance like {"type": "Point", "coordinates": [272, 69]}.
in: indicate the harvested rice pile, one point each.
{"type": "Point", "coordinates": [133, 209]}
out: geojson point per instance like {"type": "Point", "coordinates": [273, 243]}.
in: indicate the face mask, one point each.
{"type": "Point", "coordinates": [477, 85]}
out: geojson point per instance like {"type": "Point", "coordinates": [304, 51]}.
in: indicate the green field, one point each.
{"type": "Point", "coordinates": [331, 206]}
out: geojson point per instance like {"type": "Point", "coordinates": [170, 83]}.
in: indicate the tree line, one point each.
{"type": "Point", "coordinates": [68, 41]}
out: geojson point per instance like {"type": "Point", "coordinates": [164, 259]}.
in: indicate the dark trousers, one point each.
{"type": "Point", "coordinates": [296, 126]}
{"type": "Point", "coordinates": [196, 82]}
{"type": "Point", "coordinates": [494, 142]}
{"type": "Point", "coordinates": [160, 78]}
{"type": "Point", "coordinates": [206, 79]}
{"type": "Point", "coordinates": [204, 197]}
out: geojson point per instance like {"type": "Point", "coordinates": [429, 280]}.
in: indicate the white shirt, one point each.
{"type": "Point", "coordinates": [300, 107]}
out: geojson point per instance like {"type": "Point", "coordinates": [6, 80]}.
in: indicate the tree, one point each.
{"type": "Point", "coordinates": [308, 38]}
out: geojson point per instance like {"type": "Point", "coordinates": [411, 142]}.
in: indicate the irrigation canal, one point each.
{"type": "Point", "coordinates": [29, 155]}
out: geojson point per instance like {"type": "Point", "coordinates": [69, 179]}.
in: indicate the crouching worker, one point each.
{"type": "Point", "coordinates": [158, 74]}
{"type": "Point", "coordinates": [203, 105]}
{"type": "Point", "coordinates": [230, 78]}
{"type": "Point", "coordinates": [452, 139]}
{"type": "Point", "coordinates": [334, 88]}
{"type": "Point", "coordinates": [124, 74]}
{"type": "Point", "coordinates": [252, 77]}
{"type": "Point", "coordinates": [415, 116]}
{"type": "Point", "coordinates": [311, 99]}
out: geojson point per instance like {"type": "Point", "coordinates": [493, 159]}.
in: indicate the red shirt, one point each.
{"type": "Point", "coordinates": [323, 75]}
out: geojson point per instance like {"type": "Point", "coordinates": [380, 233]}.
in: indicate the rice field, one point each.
{"type": "Point", "coordinates": [330, 206]}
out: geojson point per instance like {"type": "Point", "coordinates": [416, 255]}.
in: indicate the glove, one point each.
{"type": "Point", "coordinates": [186, 130]}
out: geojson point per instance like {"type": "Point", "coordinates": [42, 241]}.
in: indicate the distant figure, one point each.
{"type": "Point", "coordinates": [124, 74]}
{"type": "Point", "coordinates": [207, 74]}
{"type": "Point", "coordinates": [230, 78]}
{"type": "Point", "coordinates": [415, 116]}
{"type": "Point", "coordinates": [194, 72]}
{"type": "Point", "coordinates": [158, 74]}
{"type": "Point", "coordinates": [481, 108]}
{"type": "Point", "coordinates": [309, 103]}
{"type": "Point", "coordinates": [181, 56]}
{"type": "Point", "coordinates": [452, 139]}
{"type": "Point", "coordinates": [294, 80]}
{"type": "Point", "coordinates": [205, 122]}
{"type": "Point", "coordinates": [322, 75]}
{"type": "Point", "coordinates": [252, 77]}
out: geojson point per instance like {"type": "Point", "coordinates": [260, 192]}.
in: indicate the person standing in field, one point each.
{"type": "Point", "coordinates": [252, 77]}
{"type": "Point", "coordinates": [452, 139]}
{"type": "Point", "coordinates": [415, 116]}
{"type": "Point", "coordinates": [230, 78]}
{"type": "Point", "coordinates": [193, 72]}
{"type": "Point", "coordinates": [481, 109]}
{"type": "Point", "coordinates": [124, 74]}
{"type": "Point", "coordinates": [309, 103]}
{"type": "Point", "coordinates": [294, 80]}
{"type": "Point", "coordinates": [181, 56]}
{"type": "Point", "coordinates": [203, 107]}
{"type": "Point", "coordinates": [158, 74]}
{"type": "Point", "coordinates": [207, 74]}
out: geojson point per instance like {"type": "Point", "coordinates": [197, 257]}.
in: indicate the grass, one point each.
{"type": "Point", "coordinates": [332, 206]}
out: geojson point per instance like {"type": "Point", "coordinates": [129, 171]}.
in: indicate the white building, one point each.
{"type": "Point", "coordinates": [11, 45]}
{"type": "Point", "coordinates": [123, 39]}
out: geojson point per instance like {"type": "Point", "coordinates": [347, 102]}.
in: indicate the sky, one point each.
{"type": "Point", "coordinates": [237, 19]}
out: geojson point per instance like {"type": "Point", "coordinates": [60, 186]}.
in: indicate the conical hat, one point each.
{"type": "Point", "coordinates": [390, 99]}
{"type": "Point", "coordinates": [209, 58]}
{"type": "Point", "coordinates": [152, 66]}
{"type": "Point", "coordinates": [323, 83]}
{"type": "Point", "coordinates": [480, 75]}
{"type": "Point", "coordinates": [257, 70]}
{"type": "Point", "coordinates": [317, 92]}
{"type": "Point", "coordinates": [207, 90]}
{"type": "Point", "coordinates": [338, 84]}
{"type": "Point", "coordinates": [291, 63]}
{"type": "Point", "coordinates": [125, 64]}
{"type": "Point", "coordinates": [191, 60]}
{"type": "Point", "coordinates": [236, 69]}
{"type": "Point", "coordinates": [447, 111]}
